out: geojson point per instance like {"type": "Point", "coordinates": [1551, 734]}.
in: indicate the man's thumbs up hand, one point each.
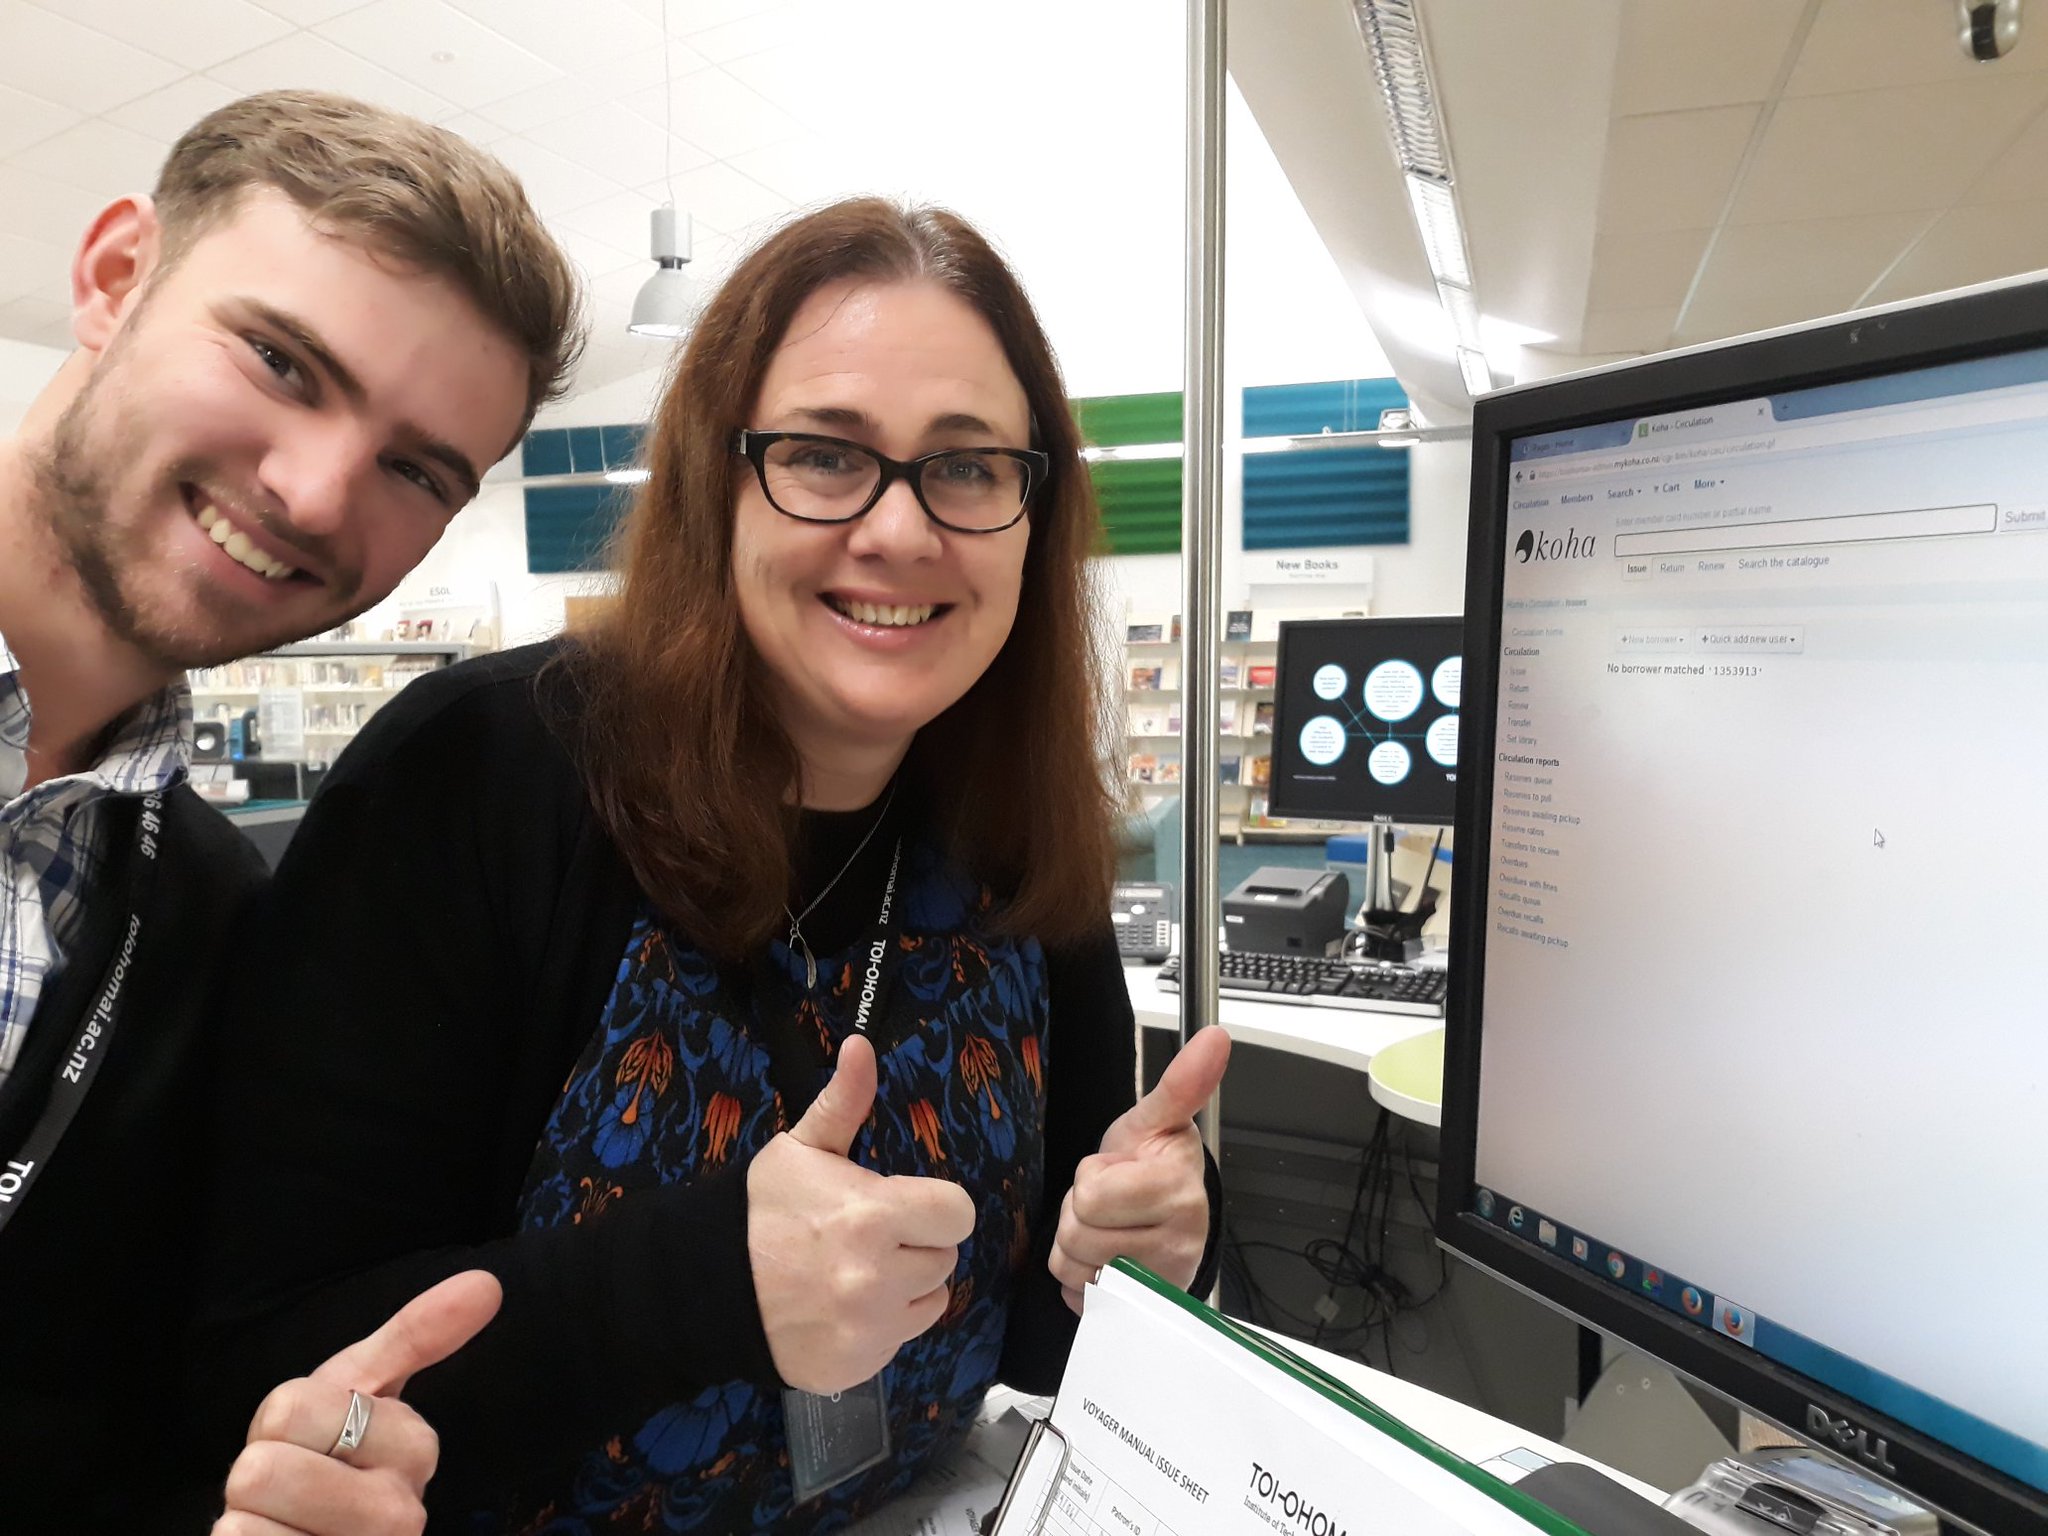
{"type": "Point", "coordinates": [848, 1264]}
{"type": "Point", "coordinates": [1143, 1195]}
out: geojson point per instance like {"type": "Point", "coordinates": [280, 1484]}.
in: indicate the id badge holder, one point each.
{"type": "Point", "coordinates": [834, 1435]}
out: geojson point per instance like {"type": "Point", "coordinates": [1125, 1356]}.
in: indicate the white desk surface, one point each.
{"type": "Point", "coordinates": [1343, 1037]}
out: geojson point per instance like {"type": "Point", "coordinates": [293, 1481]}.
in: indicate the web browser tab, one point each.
{"type": "Point", "coordinates": [1710, 421]}
{"type": "Point", "coordinates": [1551, 445]}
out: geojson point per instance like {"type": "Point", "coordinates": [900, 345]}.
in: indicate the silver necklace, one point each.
{"type": "Point", "coordinates": [797, 943]}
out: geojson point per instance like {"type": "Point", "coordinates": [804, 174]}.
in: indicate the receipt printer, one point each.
{"type": "Point", "coordinates": [1288, 912]}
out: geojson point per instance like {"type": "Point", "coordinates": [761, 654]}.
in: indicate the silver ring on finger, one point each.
{"type": "Point", "coordinates": [354, 1425]}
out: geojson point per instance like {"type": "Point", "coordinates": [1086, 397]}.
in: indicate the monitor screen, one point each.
{"type": "Point", "coordinates": [1365, 719]}
{"type": "Point", "coordinates": [1749, 1022]}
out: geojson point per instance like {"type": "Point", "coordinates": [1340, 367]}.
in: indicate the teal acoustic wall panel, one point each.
{"type": "Point", "coordinates": [568, 526]}
{"type": "Point", "coordinates": [1319, 497]}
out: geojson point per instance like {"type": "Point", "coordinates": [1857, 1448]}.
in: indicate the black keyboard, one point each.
{"type": "Point", "coordinates": [1326, 983]}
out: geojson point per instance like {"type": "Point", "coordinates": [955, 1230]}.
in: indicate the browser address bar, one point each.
{"type": "Point", "coordinates": [1658, 458]}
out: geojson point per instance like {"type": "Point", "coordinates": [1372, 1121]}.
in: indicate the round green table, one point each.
{"type": "Point", "coordinates": [1408, 1077]}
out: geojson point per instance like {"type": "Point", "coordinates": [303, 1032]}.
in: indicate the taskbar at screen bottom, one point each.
{"type": "Point", "coordinates": [1974, 1437]}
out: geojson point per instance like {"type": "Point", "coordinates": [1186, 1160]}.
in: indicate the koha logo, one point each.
{"type": "Point", "coordinates": [1549, 546]}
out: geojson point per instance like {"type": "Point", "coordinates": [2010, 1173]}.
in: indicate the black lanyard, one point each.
{"type": "Point", "coordinates": [793, 1061]}
{"type": "Point", "coordinates": [77, 1069]}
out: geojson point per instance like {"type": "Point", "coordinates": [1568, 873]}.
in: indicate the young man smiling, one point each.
{"type": "Point", "coordinates": [294, 363]}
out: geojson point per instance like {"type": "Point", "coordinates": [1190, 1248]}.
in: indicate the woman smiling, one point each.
{"type": "Point", "coordinates": [740, 988]}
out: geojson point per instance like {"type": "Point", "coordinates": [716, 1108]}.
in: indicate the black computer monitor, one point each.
{"type": "Point", "coordinates": [1365, 720]}
{"type": "Point", "coordinates": [1748, 1045]}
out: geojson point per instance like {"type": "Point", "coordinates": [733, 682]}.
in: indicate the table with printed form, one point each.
{"type": "Point", "coordinates": [1172, 1420]}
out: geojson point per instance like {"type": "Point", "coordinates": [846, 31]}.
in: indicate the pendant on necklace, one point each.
{"type": "Point", "coordinates": [796, 942]}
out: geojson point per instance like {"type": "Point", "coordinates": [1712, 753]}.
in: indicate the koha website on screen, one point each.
{"type": "Point", "coordinates": [1773, 705]}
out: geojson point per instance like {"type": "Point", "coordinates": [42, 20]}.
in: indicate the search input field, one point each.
{"type": "Point", "coordinates": [1849, 528]}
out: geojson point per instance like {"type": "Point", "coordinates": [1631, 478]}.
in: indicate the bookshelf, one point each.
{"type": "Point", "coordinates": [1247, 660]}
{"type": "Point", "coordinates": [317, 693]}
{"type": "Point", "coordinates": [1152, 714]}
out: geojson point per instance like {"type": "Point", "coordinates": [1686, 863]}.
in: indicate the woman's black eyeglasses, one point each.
{"type": "Point", "coordinates": [820, 479]}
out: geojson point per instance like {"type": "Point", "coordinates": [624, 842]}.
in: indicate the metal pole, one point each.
{"type": "Point", "coordinates": [1201, 521]}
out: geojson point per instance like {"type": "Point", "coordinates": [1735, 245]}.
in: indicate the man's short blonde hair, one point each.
{"type": "Point", "coordinates": [408, 191]}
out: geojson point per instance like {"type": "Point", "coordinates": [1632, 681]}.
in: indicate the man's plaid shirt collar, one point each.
{"type": "Point", "coordinates": [151, 749]}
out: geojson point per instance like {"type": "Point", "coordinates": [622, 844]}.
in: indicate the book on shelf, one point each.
{"type": "Point", "coordinates": [1148, 720]}
{"type": "Point", "coordinates": [1227, 716]}
{"type": "Point", "coordinates": [1227, 767]}
{"type": "Point", "coordinates": [1145, 767]}
{"type": "Point", "coordinates": [1168, 771]}
{"type": "Point", "coordinates": [1237, 624]}
{"type": "Point", "coordinates": [1173, 718]}
{"type": "Point", "coordinates": [1262, 718]}
{"type": "Point", "coordinates": [1147, 677]}
{"type": "Point", "coordinates": [1151, 628]}
{"type": "Point", "coordinates": [1230, 673]}
{"type": "Point", "coordinates": [1261, 768]}
{"type": "Point", "coordinates": [1263, 675]}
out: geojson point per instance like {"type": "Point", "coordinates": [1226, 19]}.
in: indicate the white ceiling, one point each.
{"type": "Point", "coordinates": [1634, 174]}
{"type": "Point", "coordinates": [776, 104]}
{"type": "Point", "coordinates": [1642, 174]}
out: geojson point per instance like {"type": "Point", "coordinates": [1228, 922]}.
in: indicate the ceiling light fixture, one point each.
{"type": "Point", "coordinates": [1443, 236]}
{"type": "Point", "coordinates": [1473, 368]}
{"type": "Point", "coordinates": [666, 302]}
{"type": "Point", "coordinates": [1393, 37]}
{"type": "Point", "coordinates": [1463, 309]}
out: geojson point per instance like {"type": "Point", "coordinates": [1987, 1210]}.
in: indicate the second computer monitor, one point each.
{"type": "Point", "coordinates": [1365, 720]}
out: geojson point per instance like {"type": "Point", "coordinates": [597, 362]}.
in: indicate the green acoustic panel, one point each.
{"type": "Point", "coordinates": [1140, 505]}
{"type": "Point", "coordinates": [1113, 421]}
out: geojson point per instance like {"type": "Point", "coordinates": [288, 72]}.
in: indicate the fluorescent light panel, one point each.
{"type": "Point", "coordinates": [1463, 309]}
{"type": "Point", "coordinates": [1443, 236]}
{"type": "Point", "coordinates": [1477, 374]}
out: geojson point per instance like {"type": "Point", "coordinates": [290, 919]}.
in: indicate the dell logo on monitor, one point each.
{"type": "Point", "coordinates": [1539, 546]}
{"type": "Point", "coordinates": [1849, 1439]}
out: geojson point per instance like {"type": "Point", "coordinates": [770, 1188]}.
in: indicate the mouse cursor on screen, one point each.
{"type": "Point", "coordinates": [1876, 838]}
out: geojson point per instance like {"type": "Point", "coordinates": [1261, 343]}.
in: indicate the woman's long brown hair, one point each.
{"type": "Point", "coordinates": [687, 764]}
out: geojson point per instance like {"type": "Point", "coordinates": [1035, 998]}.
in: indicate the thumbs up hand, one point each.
{"type": "Point", "coordinates": [848, 1263]}
{"type": "Point", "coordinates": [293, 1476]}
{"type": "Point", "coordinates": [1142, 1195]}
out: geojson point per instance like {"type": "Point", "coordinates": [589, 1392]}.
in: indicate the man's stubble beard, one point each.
{"type": "Point", "coordinates": [68, 480]}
